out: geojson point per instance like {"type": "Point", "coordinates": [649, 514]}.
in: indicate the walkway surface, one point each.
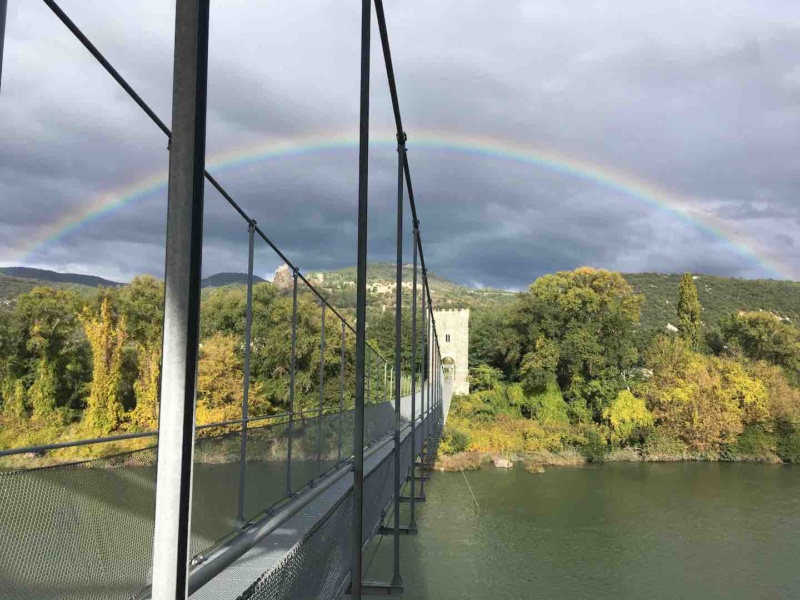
{"type": "Point", "coordinates": [271, 551]}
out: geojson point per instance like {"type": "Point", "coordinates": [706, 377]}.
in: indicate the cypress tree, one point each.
{"type": "Point", "coordinates": [689, 312]}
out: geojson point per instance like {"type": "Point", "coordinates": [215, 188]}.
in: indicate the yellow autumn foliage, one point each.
{"type": "Point", "coordinates": [704, 401]}
{"type": "Point", "coordinates": [106, 335]}
{"type": "Point", "coordinates": [626, 414]}
{"type": "Point", "coordinates": [220, 388]}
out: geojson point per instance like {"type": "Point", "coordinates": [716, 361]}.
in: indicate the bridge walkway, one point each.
{"type": "Point", "coordinates": [307, 554]}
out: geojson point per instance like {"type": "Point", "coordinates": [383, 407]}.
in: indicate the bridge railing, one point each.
{"type": "Point", "coordinates": [216, 480]}
{"type": "Point", "coordinates": [83, 528]}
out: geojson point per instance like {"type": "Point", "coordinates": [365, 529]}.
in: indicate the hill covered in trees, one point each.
{"type": "Point", "coordinates": [56, 277]}
{"type": "Point", "coordinates": [571, 367]}
{"type": "Point", "coordinates": [719, 297]}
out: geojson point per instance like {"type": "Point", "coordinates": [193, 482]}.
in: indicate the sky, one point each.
{"type": "Point", "coordinates": [542, 136]}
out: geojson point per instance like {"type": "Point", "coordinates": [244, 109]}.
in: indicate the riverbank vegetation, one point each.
{"type": "Point", "coordinates": [76, 366]}
{"type": "Point", "coordinates": [569, 367]}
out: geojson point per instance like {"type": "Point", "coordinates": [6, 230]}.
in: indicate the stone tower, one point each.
{"type": "Point", "coordinates": [453, 329]}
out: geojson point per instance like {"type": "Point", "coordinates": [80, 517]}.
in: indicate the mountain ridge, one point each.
{"type": "Point", "coordinates": [718, 295]}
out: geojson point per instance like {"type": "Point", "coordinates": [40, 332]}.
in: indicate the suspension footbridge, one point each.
{"type": "Point", "coordinates": [282, 505]}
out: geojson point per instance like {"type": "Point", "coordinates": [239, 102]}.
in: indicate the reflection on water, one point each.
{"type": "Point", "coordinates": [687, 530]}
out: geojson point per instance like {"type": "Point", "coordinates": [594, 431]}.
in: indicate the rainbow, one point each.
{"type": "Point", "coordinates": [607, 177]}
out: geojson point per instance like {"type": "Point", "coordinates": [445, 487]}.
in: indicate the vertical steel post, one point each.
{"type": "Point", "coordinates": [184, 253]}
{"type": "Point", "coordinates": [292, 375]}
{"type": "Point", "coordinates": [440, 371]}
{"type": "Point", "coordinates": [412, 524]}
{"type": "Point", "coordinates": [398, 349]}
{"type": "Point", "coordinates": [361, 306]}
{"type": "Point", "coordinates": [3, 10]}
{"type": "Point", "coordinates": [341, 398]}
{"type": "Point", "coordinates": [426, 378]}
{"type": "Point", "coordinates": [385, 387]}
{"type": "Point", "coordinates": [248, 323]}
{"type": "Point", "coordinates": [321, 389]}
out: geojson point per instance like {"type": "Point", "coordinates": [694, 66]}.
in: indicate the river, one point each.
{"type": "Point", "coordinates": [621, 530]}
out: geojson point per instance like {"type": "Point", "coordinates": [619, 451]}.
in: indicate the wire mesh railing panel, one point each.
{"type": "Point", "coordinates": [379, 420]}
{"type": "Point", "coordinates": [378, 488]}
{"type": "Point", "coordinates": [81, 531]}
{"type": "Point", "coordinates": [317, 566]}
{"type": "Point", "coordinates": [215, 489]}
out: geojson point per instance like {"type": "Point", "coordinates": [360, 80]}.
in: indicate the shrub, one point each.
{"type": "Point", "coordinates": [788, 444]}
{"type": "Point", "coordinates": [595, 449]}
{"type": "Point", "coordinates": [660, 446]}
{"type": "Point", "coordinates": [454, 441]}
{"type": "Point", "coordinates": [459, 441]}
{"type": "Point", "coordinates": [549, 407]}
{"type": "Point", "coordinates": [484, 377]}
{"type": "Point", "coordinates": [755, 443]}
{"type": "Point", "coordinates": [625, 415]}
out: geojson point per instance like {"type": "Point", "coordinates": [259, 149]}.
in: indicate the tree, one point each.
{"type": "Point", "coordinates": [783, 400]}
{"type": "Point", "coordinates": [703, 401]}
{"type": "Point", "coordinates": [763, 336]}
{"type": "Point", "coordinates": [44, 353]}
{"type": "Point", "coordinates": [106, 333]}
{"type": "Point", "coordinates": [220, 382]}
{"type": "Point", "coordinates": [484, 377]}
{"type": "Point", "coordinates": [577, 328]}
{"type": "Point", "coordinates": [689, 310]}
{"type": "Point", "coordinates": [625, 415]}
{"type": "Point", "coordinates": [141, 303]}
{"type": "Point", "coordinates": [493, 340]}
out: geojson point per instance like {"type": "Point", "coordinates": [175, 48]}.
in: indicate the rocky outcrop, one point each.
{"type": "Point", "coordinates": [283, 277]}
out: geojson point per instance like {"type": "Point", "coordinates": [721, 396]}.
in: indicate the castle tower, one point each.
{"type": "Point", "coordinates": [453, 329]}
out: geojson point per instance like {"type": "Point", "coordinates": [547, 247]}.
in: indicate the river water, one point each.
{"type": "Point", "coordinates": [622, 530]}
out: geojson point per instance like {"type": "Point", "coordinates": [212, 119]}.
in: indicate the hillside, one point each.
{"type": "Point", "coordinates": [223, 279]}
{"type": "Point", "coordinates": [11, 287]}
{"type": "Point", "coordinates": [18, 280]}
{"type": "Point", "coordinates": [719, 296]}
{"type": "Point", "coordinates": [55, 277]}
{"type": "Point", "coordinates": [340, 285]}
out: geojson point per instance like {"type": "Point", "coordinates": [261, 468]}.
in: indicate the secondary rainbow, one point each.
{"type": "Point", "coordinates": [113, 200]}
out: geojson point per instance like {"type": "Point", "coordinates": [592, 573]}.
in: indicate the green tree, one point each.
{"type": "Point", "coordinates": [484, 377]}
{"type": "Point", "coordinates": [763, 336]}
{"type": "Point", "coordinates": [689, 310]}
{"type": "Point", "coordinates": [45, 352]}
{"type": "Point", "coordinates": [493, 340]}
{"type": "Point", "coordinates": [577, 328]}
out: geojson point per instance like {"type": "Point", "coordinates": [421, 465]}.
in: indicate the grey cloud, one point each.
{"type": "Point", "coordinates": [699, 102]}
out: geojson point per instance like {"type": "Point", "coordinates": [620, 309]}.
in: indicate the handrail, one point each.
{"type": "Point", "coordinates": [154, 433]}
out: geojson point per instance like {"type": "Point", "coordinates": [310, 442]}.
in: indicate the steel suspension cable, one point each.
{"type": "Point", "coordinates": [401, 134]}
{"type": "Point", "coordinates": [104, 62]}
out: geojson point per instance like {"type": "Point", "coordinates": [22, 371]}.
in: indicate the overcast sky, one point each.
{"type": "Point", "coordinates": [700, 100]}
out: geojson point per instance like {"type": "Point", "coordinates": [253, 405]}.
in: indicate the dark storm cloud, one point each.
{"type": "Point", "coordinates": [700, 102]}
